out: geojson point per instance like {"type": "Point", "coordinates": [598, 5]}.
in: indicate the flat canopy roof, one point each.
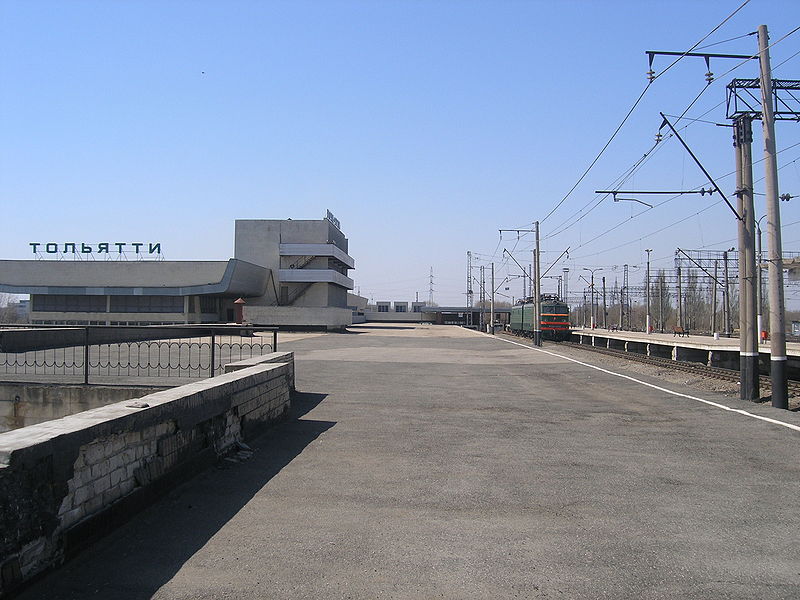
{"type": "Point", "coordinates": [133, 278]}
{"type": "Point", "coordinates": [462, 309]}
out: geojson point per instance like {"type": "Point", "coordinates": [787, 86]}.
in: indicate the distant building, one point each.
{"type": "Point", "coordinates": [397, 311]}
{"type": "Point", "coordinates": [15, 311]}
{"type": "Point", "coordinates": [289, 272]}
{"type": "Point", "coordinates": [357, 304]}
{"type": "Point", "coordinates": [23, 308]}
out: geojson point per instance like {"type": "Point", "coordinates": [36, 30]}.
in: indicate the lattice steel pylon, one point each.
{"type": "Point", "coordinates": [470, 294]}
{"type": "Point", "coordinates": [785, 99]}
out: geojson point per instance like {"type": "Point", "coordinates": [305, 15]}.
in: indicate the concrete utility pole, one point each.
{"type": "Point", "coordinates": [648, 327]}
{"type": "Point", "coordinates": [760, 283]}
{"type": "Point", "coordinates": [593, 323]}
{"type": "Point", "coordinates": [605, 310]}
{"type": "Point", "coordinates": [483, 297]}
{"type": "Point", "coordinates": [714, 285]}
{"type": "Point", "coordinates": [491, 301]}
{"type": "Point", "coordinates": [627, 296]}
{"type": "Point", "coordinates": [661, 302]}
{"type": "Point", "coordinates": [584, 308]}
{"type": "Point", "coordinates": [748, 337]}
{"type": "Point", "coordinates": [777, 324]}
{"type": "Point", "coordinates": [537, 301]}
{"type": "Point", "coordinates": [680, 298]}
{"type": "Point", "coordinates": [726, 296]}
{"type": "Point", "coordinates": [530, 281]}
{"type": "Point", "coordinates": [524, 283]}
{"type": "Point", "coordinates": [565, 290]}
{"type": "Point", "coordinates": [469, 280]}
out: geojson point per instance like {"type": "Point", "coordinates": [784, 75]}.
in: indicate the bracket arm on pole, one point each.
{"type": "Point", "coordinates": [699, 266]}
{"type": "Point", "coordinates": [699, 164]}
{"type": "Point", "coordinates": [525, 273]}
{"type": "Point", "coordinates": [553, 264]}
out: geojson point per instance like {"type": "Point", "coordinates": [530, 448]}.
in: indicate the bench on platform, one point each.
{"type": "Point", "coordinates": [680, 332]}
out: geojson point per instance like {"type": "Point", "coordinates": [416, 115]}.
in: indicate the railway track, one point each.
{"type": "Point", "coordinates": [688, 367]}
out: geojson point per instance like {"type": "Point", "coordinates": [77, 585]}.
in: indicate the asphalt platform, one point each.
{"type": "Point", "coordinates": [436, 462]}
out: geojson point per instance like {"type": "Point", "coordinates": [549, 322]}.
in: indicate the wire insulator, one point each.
{"type": "Point", "coordinates": [651, 75]}
{"type": "Point", "coordinates": [709, 77]}
{"type": "Point", "coordinates": [659, 137]}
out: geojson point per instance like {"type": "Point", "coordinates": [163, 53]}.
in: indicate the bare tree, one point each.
{"type": "Point", "coordinates": [696, 306]}
{"type": "Point", "coordinates": [662, 308]}
{"type": "Point", "coordinates": [9, 309]}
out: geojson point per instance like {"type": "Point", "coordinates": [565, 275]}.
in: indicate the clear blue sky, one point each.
{"type": "Point", "coordinates": [424, 126]}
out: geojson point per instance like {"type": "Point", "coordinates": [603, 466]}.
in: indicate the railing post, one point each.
{"type": "Point", "coordinates": [86, 356]}
{"type": "Point", "coordinates": [213, 344]}
{"type": "Point", "coordinates": [275, 341]}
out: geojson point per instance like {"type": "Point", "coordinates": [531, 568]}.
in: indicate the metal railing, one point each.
{"type": "Point", "coordinates": [82, 353]}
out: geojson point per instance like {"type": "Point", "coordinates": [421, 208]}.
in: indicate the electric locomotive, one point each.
{"type": "Point", "coordinates": [554, 320]}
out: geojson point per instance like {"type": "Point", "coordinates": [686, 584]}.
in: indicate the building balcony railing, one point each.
{"type": "Point", "coordinates": [315, 276]}
{"type": "Point", "coordinates": [318, 250]}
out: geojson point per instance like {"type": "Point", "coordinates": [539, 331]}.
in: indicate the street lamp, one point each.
{"type": "Point", "coordinates": [594, 315]}
{"type": "Point", "coordinates": [648, 327]}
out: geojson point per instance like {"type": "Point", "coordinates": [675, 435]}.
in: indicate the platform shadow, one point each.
{"type": "Point", "coordinates": [140, 557]}
{"type": "Point", "coordinates": [304, 402]}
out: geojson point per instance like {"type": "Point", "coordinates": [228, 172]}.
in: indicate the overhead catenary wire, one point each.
{"type": "Point", "coordinates": [594, 203]}
{"type": "Point", "coordinates": [635, 104]}
{"type": "Point", "coordinates": [738, 37]}
{"type": "Point", "coordinates": [624, 177]}
{"type": "Point", "coordinates": [564, 226]}
{"type": "Point", "coordinates": [785, 61]}
{"type": "Point", "coordinates": [729, 240]}
{"type": "Point", "coordinates": [676, 222]}
{"type": "Point", "coordinates": [746, 60]}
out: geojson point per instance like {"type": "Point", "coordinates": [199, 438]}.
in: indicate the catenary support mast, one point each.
{"type": "Point", "coordinates": [777, 324]}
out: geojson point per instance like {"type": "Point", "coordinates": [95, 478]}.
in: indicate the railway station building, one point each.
{"type": "Point", "coordinates": [291, 273]}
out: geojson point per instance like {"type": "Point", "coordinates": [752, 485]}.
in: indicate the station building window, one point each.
{"type": "Point", "coordinates": [208, 304]}
{"type": "Point", "coordinates": [67, 303]}
{"type": "Point", "coordinates": [147, 304]}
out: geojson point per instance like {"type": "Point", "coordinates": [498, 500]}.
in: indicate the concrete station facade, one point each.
{"type": "Point", "coordinates": [290, 273]}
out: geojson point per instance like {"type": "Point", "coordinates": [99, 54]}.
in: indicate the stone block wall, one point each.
{"type": "Point", "coordinates": [280, 357]}
{"type": "Point", "coordinates": [67, 482]}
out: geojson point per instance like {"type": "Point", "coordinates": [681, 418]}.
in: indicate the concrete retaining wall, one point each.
{"type": "Point", "coordinates": [25, 404]}
{"type": "Point", "coordinates": [41, 338]}
{"type": "Point", "coordinates": [67, 482]}
{"type": "Point", "coordinates": [393, 317]}
{"type": "Point", "coordinates": [297, 316]}
{"type": "Point", "coordinates": [274, 357]}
